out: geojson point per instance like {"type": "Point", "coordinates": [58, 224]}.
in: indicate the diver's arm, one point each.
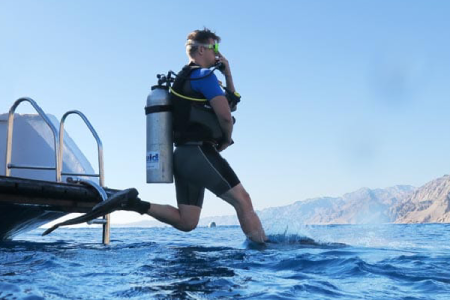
{"type": "Point", "coordinates": [222, 110]}
{"type": "Point", "coordinates": [227, 73]}
{"type": "Point", "coordinates": [229, 82]}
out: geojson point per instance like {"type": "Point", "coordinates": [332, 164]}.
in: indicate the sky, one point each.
{"type": "Point", "coordinates": [336, 95]}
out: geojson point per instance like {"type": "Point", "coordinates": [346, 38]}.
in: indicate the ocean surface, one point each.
{"type": "Point", "coordinates": [308, 262]}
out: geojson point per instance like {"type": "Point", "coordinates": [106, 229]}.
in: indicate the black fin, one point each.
{"type": "Point", "coordinates": [113, 203]}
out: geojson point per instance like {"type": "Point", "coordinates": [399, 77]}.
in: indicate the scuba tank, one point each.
{"type": "Point", "coordinates": [159, 132]}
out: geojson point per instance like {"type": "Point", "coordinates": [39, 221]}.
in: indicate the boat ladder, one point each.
{"type": "Point", "coordinates": [58, 142]}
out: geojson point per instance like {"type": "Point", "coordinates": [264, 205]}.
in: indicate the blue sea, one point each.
{"type": "Point", "coordinates": [315, 262]}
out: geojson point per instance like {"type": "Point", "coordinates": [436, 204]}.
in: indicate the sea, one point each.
{"type": "Point", "coordinates": [409, 262]}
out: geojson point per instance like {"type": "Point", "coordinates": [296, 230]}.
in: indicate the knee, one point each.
{"type": "Point", "coordinates": [187, 226]}
{"type": "Point", "coordinates": [238, 198]}
{"type": "Point", "coordinates": [246, 196]}
{"type": "Point", "coordinates": [245, 202]}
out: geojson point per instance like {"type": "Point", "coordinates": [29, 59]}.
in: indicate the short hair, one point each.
{"type": "Point", "coordinates": [201, 37]}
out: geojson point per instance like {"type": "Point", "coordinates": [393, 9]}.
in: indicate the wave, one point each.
{"type": "Point", "coordinates": [212, 264]}
{"type": "Point", "coordinates": [276, 241]}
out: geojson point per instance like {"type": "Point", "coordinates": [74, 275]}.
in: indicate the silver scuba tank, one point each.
{"type": "Point", "coordinates": [159, 134]}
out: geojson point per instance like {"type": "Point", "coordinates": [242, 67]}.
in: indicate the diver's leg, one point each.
{"type": "Point", "coordinates": [209, 169]}
{"type": "Point", "coordinates": [184, 218]}
{"type": "Point", "coordinates": [189, 201]}
{"type": "Point", "coordinates": [249, 220]}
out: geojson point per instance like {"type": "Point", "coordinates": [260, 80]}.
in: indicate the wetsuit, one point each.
{"type": "Point", "coordinates": [197, 164]}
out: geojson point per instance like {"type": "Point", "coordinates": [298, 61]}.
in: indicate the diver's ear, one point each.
{"type": "Point", "coordinates": [201, 49]}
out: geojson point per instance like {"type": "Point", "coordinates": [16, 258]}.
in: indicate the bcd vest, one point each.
{"type": "Point", "coordinates": [193, 120]}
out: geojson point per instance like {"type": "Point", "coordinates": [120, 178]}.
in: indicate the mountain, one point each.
{"type": "Point", "coordinates": [399, 204]}
{"type": "Point", "coordinates": [364, 206]}
{"type": "Point", "coordinates": [428, 204]}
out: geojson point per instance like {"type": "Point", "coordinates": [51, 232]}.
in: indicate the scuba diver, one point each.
{"type": "Point", "coordinates": [202, 128]}
{"type": "Point", "coordinates": [197, 161]}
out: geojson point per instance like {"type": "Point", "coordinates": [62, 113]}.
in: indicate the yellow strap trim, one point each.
{"type": "Point", "coordinates": [235, 93]}
{"type": "Point", "coordinates": [186, 97]}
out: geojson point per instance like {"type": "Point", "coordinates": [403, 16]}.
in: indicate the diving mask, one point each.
{"type": "Point", "coordinates": [214, 46]}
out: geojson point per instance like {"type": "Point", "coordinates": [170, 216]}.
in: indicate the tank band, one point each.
{"type": "Point", "coordinates": [157, 108]}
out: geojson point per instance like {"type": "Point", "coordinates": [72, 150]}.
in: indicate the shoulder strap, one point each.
{"type": "Point", "coordinates": [180, 83]}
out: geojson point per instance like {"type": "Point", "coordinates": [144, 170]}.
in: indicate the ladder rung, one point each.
{"type": "Point", "coordinates": [12, 166]}
{"type": "Point", "coordinates": [97, 221]}
{"type": "Point", "coordinates": [80, 174]}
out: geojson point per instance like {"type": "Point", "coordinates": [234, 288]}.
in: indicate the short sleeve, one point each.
{"type": "Point", "coordinates": [208, 86]}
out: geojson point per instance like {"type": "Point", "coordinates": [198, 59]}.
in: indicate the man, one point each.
{"type": "Point", "coordinates": [197, 162]}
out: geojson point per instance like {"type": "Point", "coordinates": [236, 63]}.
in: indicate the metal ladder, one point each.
{"type": "Point", "coordinates": [8, 165]}
{"type": "Point", "coordinates": [58, 141]}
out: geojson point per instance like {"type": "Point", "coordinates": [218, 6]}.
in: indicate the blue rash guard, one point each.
{"type": "Point", "coordinates": [208, 86]}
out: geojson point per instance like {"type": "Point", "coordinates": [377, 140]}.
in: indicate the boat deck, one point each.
{"type": "Point", "coordinates": [26, 204]}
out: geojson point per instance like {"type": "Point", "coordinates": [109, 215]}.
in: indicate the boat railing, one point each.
{"type": "Point", "coordinates": [106, 219]}
{"type": "Point", "coordinates": [100, 174]}
{"type": "Point", "coordinates": [9, 140]}
{"type": "Point", "coordinates": [58, 140]}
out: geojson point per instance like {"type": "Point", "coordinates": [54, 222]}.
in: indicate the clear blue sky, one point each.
{"type": "Point", "coordinates": [337, 95]}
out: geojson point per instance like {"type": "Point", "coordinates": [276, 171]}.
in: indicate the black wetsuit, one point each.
{"type": "Point", "coordinates": [197, 167]}
{"type": "Point", "coordinates": [197, 163]}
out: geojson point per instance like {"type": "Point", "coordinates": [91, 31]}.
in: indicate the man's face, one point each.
{"type": "Point", "coordinates": [209, 55]}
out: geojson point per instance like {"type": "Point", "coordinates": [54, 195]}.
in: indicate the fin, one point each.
{"type": "Point", "coordinates": [113, 203]}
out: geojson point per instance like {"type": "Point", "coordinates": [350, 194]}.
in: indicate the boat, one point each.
{"type": "Point", "coordinates": [43, 174]}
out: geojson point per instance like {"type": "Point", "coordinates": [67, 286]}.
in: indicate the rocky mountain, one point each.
{"type": "Point", "coordinates": [364, 206]}
{"type": "Point", "coordinates": [428, 204]}
{"type": "Point", "coordinates": [399, 204]}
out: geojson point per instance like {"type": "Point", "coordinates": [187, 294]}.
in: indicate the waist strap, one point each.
{"type": "Point", "coordinates": [196, 143]}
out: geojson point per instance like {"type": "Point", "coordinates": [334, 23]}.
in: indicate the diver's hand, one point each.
{"type": "Point", "coordinates": [226, 71]}
{"type": "Point", "coordinates": [224, 145]}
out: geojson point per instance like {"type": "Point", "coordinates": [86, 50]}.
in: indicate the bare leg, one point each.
{"type": "Point", "coordinates": [249, 220]}
{"type": "Point", "coordinates": [184, 218]}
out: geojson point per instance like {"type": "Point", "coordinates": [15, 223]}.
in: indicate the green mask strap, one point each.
{"type": "Point", "coordinates": [216, 47]}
